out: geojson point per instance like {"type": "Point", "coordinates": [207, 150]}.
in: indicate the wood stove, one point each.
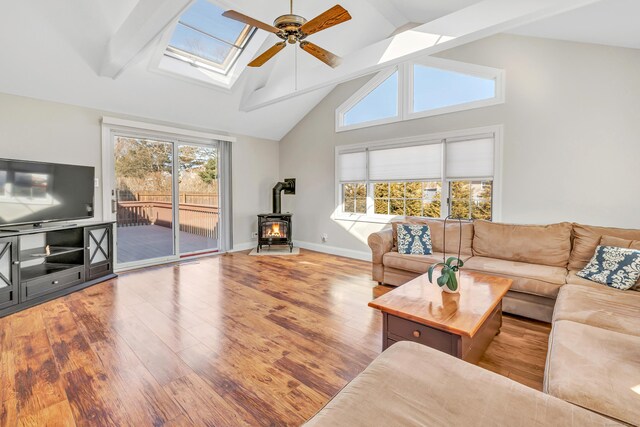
{"type": "Point", "coordinates": [275, 228]}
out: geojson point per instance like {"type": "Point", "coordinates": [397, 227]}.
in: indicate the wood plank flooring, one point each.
{"type": "Point", "coordinates": [519, 352]}
{"type": "Point", "coordinates": [225, 340]}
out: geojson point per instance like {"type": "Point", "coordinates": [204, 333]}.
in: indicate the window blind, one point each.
{"type": "Point", "coordinates": [352, 166]}
{"type": "Point", "coordinates": [470, 159]}
{"type": "Point", "coordinates": [404, 163]}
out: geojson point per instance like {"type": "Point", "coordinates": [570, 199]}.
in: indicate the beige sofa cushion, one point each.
{"type": "Point", "coordinates": [533, 279]}
{"type": "Point", "coordinates": [436, 227]}
{"type": "Point", "coordinates": [396, 277]}
{"type": "Point", "coordinates": [599, 306]}
{"type": "Point", "coordinates": [414, 263]}
{"type": "Point", "coordinates": [586, 238]}
{"type": "Point", "coordinates": [595, 368]}
{"type": "Point", "coordinates": [619, 243]}
{"type": "Point", "coordinates": [528, 305]}
{"type": "Point", "coordinates": [535, 244]}
{"type": "Point", "coordinates": [413, 385]}
{"type": "Point", "coordinates": [573, 278]}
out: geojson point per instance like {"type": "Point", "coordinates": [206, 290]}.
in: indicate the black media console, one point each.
{"type": "Point", "coordinates": [40, 264]}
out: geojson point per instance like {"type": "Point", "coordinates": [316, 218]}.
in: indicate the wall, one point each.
{"type": "Point", "coordinates": [571, 131]}
{"type": "Point", "coordinates": [47, 131]}
{"type": "Point", "coordinates": [255, 172]}
{"type": "Point", "coordinates": [50, 132]}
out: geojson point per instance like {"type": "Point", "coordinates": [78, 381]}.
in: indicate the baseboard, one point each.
{"type": "Point", "coordinates": [334, 250]}
{"type": "Point", "coordinates": [237, 247]}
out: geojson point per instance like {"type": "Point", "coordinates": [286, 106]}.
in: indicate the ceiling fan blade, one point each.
{"type": "Point", "coordinates": [237, 16]}
{"type": "Point", "coordinates": [323, 55]}
{"type": "Point", "coordinates": [267, 55]}
{"type": "Point", "coordinates": [334, 16]}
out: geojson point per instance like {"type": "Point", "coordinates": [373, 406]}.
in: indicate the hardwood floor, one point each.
{"type": "Point", "coordinates": [226, 340]}
{"type": "Point", "coordinates": [519, 352]}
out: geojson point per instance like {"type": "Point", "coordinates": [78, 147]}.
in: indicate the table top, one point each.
{"type": "Point", "coordinates": [462, 314]}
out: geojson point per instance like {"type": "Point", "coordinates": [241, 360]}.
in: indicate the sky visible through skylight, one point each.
{"type": "Point", "coordinates": [207, 18]}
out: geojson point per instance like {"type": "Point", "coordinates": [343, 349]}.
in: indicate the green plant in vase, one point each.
{"type": "Point", "coordinates": [450, 272]}
{"type": "Point", "coordinates": [448, 279]}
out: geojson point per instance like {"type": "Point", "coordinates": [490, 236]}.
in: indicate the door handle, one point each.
{"type": "Point", "coordinates": [114, 206]}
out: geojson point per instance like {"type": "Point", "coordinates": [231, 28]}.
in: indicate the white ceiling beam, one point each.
{"type": "Point", "coordinates": [147, 21]}
{"type": "Point", "coordinates": [475, 22]}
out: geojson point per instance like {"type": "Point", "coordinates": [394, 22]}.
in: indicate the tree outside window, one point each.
{"type": "Point", "coordinates": [411, 198]}
{"type": "Point", "coordinates": [470, 199]}
{"type": "Point", "coordinates": [354, 198]}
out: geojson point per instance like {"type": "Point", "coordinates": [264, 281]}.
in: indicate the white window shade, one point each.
{"type": "Point", "coordinates": [352, 167]}
{"type": "Point", "coordinates": [470, 159]}
{"type": "Point", "coordinates": [405, 163]}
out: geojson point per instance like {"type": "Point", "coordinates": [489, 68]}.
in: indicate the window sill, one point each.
{"type": "Point", "coordinates": [368, 219]}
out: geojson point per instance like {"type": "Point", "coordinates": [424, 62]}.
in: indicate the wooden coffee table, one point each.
{"type": "Point", "coordinates": [461, 325]}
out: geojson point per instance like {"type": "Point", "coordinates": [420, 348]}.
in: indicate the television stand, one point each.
{"type": "Point", "coordinates": [52, 261]}
{"type": "Point", "coordinates": [36, 226]}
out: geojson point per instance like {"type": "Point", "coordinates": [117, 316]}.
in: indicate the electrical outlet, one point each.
{"type": "Point", "coordinates": [325, 237]}
{"type": "Point", "coordinates": [254, 235]}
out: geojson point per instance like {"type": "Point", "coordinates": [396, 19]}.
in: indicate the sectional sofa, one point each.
{"type": "Point", "coordinates": [539, 258]}
{"type": "Point", "coordinates": [594, 348]}
{"type": "Point", "coordinates": [411, 385]}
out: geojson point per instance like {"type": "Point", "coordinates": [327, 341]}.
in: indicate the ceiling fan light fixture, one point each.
{"type": "Point", "coordinates": [293, 29]}
{"type": "Point", "coordinates": [289, 21]}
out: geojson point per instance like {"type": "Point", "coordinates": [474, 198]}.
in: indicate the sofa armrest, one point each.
{"type": "Point", "coordinates": [380, 243]}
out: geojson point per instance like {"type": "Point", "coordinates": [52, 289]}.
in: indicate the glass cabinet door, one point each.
{"type": "Point", "coordinates": [99, 254]}
{"type": "Point", "coordinates": [8, 271]}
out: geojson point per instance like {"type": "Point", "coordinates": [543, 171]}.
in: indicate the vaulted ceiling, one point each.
{"type": "Point", "coordinates": [104, 54]}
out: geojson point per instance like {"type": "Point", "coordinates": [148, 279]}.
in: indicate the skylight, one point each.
{"type": "Point", "coordinates": [204, 38]}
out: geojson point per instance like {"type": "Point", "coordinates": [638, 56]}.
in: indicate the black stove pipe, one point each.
{"type": "Point", "coordinates": [289, 187]}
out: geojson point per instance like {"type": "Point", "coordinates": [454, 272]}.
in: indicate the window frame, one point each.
{"type": "Point", "coordinates": [168, 66]}
{"type": "Point", "coordinates": [355, 199]}
{"type": "Point", "coordinates": [362, 93]}
{"type": "Point", "coordinates": [450, 201]}
{"type": "Point", "coordinates": [371, 189]}
{"type": "Point", "coordinates": [406, 96]}
{"type": "Point", "coordinates": [473, 70]}
{"type": "Point", "coordinates": [440, 138]}
{"type": "Point", "coordinates": [224, 68]}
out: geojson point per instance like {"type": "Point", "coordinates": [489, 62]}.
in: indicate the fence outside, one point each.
{"type": "Point", "coordinates": [190, 198]}
{"type": "Point", "coordinates": [198, 219]}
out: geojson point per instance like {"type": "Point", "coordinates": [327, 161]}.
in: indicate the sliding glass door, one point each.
{"type": "Point", "coordinates": [164, 198]}
{"type": "Point", "coordinates": [198, 213]}
{"type": "Point", "coordinates": [144, 199]}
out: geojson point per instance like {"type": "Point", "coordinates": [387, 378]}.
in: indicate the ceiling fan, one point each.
{"type": "Point", "coordinates": [295, 29]}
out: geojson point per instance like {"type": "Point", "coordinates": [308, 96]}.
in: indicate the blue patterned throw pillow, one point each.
{"type": "Point", "coordinates": [414, 239]}
{"type": "Point", "coordinates": [615, 267]}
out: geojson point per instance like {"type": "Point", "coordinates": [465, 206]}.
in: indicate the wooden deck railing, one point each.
{"type": "Point", "coordinates": [207, 199]}
{"type": "Point", "coordinates": [200, 220]}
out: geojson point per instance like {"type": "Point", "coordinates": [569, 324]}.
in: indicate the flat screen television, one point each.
{"type": "Point", "coordinates": [35, 193]}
